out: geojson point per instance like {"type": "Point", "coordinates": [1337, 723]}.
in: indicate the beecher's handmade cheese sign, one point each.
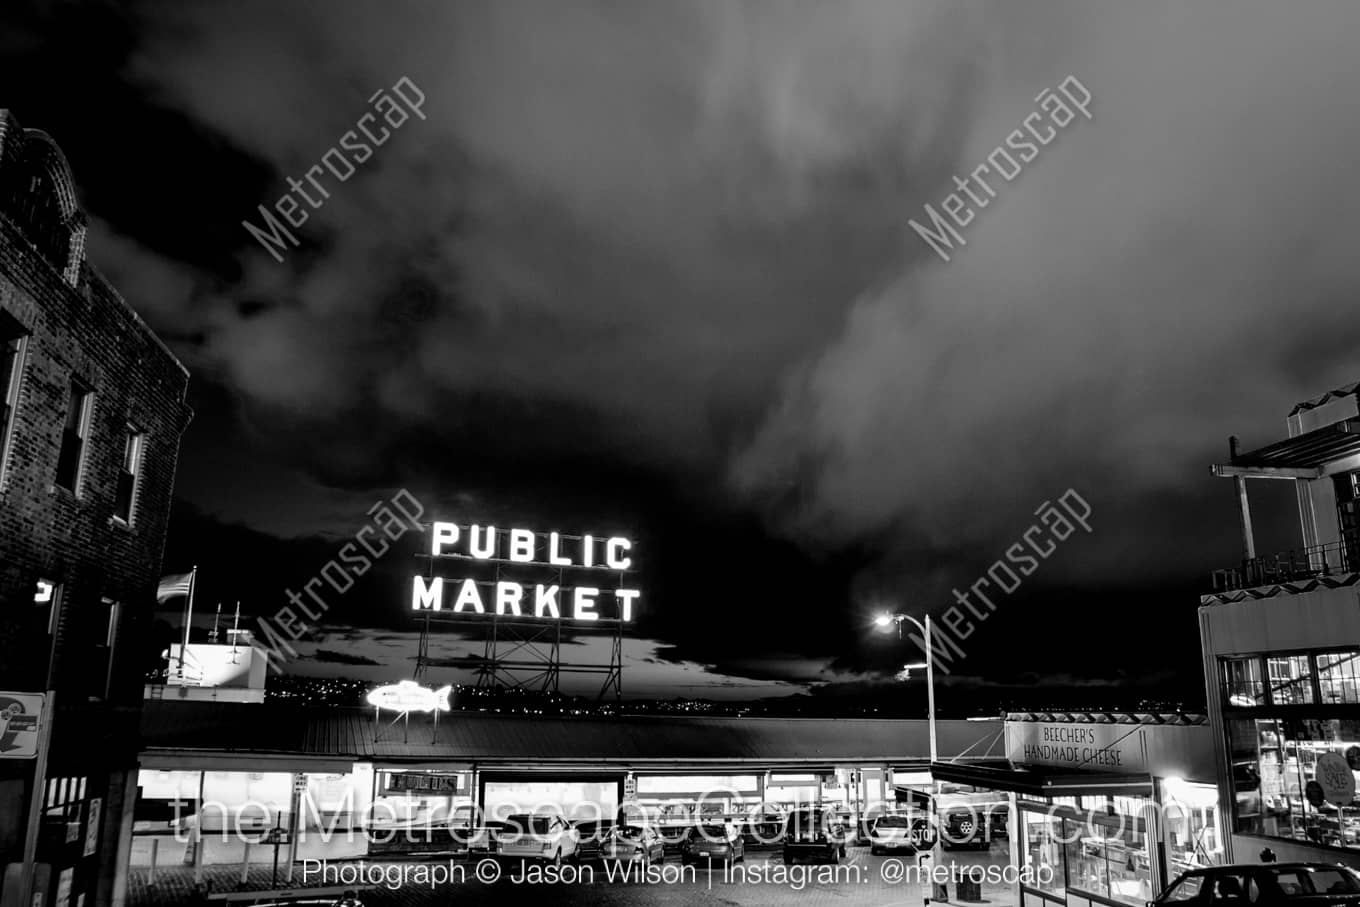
{"type": "Point", "coordinates": [540, 552]}
{"type": "Point", "coordinates": [1095, 747]}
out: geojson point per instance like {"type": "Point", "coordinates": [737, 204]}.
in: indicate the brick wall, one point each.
{"type": "Point", "coordinates": [77, 327]}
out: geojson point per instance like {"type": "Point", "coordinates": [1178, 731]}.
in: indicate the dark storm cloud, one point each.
{"type": "Point", "coordinates": [675, 235]}
{"type": "Point", "coordinates": [1158, 279]}
{"type": "Point", "coordinates": [343, 658]}
{"type": "Point", "coordinates": [653, 215]}
{"type": "Point", "coordinates": [637, 217]}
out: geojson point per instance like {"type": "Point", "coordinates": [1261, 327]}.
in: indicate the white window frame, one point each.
{"type": "Point", "coordinates": [83, 423]}
{"type": "Point", "coordinates": [12, 394]}
{"type": "Point", "coordinates": [137, 439]}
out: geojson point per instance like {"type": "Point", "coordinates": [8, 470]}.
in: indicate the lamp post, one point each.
{"type": "Point", "coordinates": [888, 620]}
{"type": "Point", "coordinates": [939, 890]}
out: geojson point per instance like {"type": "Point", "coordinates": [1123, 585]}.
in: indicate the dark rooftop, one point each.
{"type": "Point", "coordinates": [213, 729]}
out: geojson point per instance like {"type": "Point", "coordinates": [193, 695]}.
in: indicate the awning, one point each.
{"type": "Point", "coordinates": [1042, 781]}
{"type": "Point", "coordinates": [1309, 451]}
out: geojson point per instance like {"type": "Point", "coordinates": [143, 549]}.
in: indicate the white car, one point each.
{"type": "Point", "coordinates": [900, 833]}
{"type": "Point", "coordinates": [537, 838]}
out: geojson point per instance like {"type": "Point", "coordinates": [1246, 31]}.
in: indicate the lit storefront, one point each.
{"type": "Point", "coordinates": [1280, 636]}
{"type": "Point", "coordinates": [386, 790]}
{"type": "Point", "coordinates": [1293, 755]}
{"type": "Point", "coordinates": [1105, 809]}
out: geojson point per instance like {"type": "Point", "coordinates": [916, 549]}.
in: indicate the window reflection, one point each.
{"type": "Point", "coordinates": [1110, 863]}
{"type": "Point", "coordinates": [1337, 676]}
{"type": "Point", "coordinates": [1291, 679]}
{"type": "Point", "coordinates": [1274, 767]}
{"type": "Point", "coordinates": [1242, 684]}
{"type": "Point", "coordinates": [1043, 851]}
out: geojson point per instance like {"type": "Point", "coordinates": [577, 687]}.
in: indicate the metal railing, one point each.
{"type": "Point", "coordinates": [1330, 559]}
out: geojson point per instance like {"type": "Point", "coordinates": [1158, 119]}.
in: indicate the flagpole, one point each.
{"type": "Point", "coordinates": [188, 619]}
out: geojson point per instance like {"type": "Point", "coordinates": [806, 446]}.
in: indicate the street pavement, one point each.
{"type": "Point", "coordinates": [862, 880]}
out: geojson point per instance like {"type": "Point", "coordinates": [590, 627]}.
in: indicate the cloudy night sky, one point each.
{"type": "Point", "coordinates": [646, 269]}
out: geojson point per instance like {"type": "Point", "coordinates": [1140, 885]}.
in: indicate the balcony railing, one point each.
{"type": "Point", "coordinates": [1331, 559]}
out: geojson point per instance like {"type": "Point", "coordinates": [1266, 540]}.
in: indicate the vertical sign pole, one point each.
{"type": "Point", "coordinates": [38, 800]}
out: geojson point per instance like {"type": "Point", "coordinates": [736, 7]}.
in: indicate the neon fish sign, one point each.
{"type": "Point", "coordinates": [538, 600]}
{"type": "Point", "coordinates": [409, 696]}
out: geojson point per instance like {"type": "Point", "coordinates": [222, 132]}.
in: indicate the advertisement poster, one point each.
{"type": "Point", "coordinates": [92, 827]}
{"type": "Point", "coordinates": [20, 718]}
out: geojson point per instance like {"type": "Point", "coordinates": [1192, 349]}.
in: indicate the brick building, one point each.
{"type": "Point", "coordinates": [93, 410]}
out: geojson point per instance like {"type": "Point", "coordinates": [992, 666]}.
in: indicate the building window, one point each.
{"type": "Point", "coordinates": [1192, 830]}
{"type": "Point", "coordinates": [1338, 680]}
{"type": "Point", "coordinates": [1276, 791]}
{"type": "Point", "coordinates": [1044, 852]}
{"type": "Point", "coordinates": [73, 438]}
{"type": "Point", "coordinates": [101, 677]}
{"type": "Point", "coordinates": [1110, 863]}
{"type": "Point", "coordinates": [1291, 679]}
{"type": "Point", "coordinates": [1242, 684]}
{"type": "Point", "coordinates": [64, 805]}
{"type": "Point", "coordinates": [1348, 518]}
{"type": "Point", "coordinates": [129, 474]}
{"type": "Point", "coordinates": [11, 377]}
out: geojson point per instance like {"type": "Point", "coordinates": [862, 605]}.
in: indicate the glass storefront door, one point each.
{"type": "Point", "coordinates": [1087, 852]}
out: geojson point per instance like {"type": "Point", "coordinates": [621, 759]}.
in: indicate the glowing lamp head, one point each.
{"type": "Point", "coordinates": [884, 620]}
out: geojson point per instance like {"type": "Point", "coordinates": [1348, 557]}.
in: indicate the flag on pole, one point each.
{"type": "Point", "coordinates": [173, 585]}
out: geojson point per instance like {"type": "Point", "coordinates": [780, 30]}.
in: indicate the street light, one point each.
{"type": "Point", "coordinates": [888, 620]}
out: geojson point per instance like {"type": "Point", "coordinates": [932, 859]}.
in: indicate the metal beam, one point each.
{"type": "Point", "coordinates": [1337, 467]}
{"type": "Point", "coordinates": [1266, 472]}
{"type": "Point", "coordinates": [1243, 506]}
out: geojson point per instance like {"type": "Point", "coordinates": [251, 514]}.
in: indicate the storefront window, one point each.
{"type": "Point", "coordinates": [1109, 862]}
{"type": "Point", "coordinates": [1191, 826]}
{"type": "Point", "coordinates": [1274, 767]}
{"type": "Point", "coordinates": [1043, 851]}
{"type": "Point", "coordinates": [1242, 684]}
{"type": "Point", "coordinates": [1291, 679]}
{"type": "Point", "coordinates": [1337, 676]}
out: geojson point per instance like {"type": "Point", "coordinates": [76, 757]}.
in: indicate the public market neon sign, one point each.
{"type": "Point", "coordinates": [505, 598]}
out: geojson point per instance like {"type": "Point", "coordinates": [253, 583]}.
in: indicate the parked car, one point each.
{"type": "Point", "coordinates": [709, 843]}
{"type": "Point", "coordinates": [906, 834]}
{"type": "Point", "coordinates": [476, 839]}
{"type": "Point", "coordinates": [765, 829]}
{"type": "Point", "coordinates": [970, 829]}
{"type": "Point", "coordinates": [673, 837]}
{"type": "Point", "coordinates": [1264, 884]}
{"type": "Point", "coordinates": [590, 835]}
{"type": "Point", "coordinates": [537, 838]}
{"type": "Point", "coordinates": [813, 834]}
{"type": "Point", "coordinates": [633, 843]}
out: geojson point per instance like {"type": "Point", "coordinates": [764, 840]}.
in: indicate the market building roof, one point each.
{"type": "Point", "coordinates": [208, 735]}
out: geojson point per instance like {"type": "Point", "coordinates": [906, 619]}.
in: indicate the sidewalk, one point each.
{"type": "Point", "coordinates": [175, 885]}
